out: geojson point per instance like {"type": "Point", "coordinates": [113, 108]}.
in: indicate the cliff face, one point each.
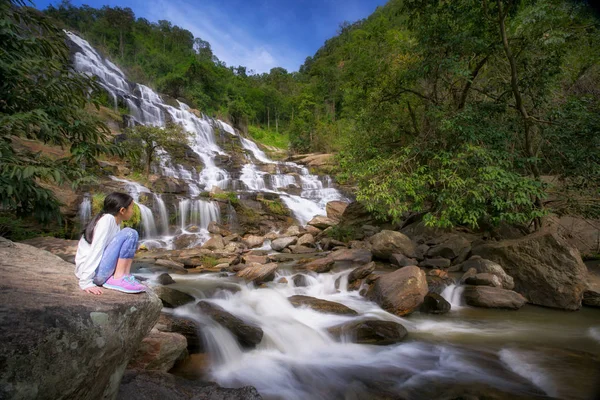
{"type": "Point", "coordinates": [57, 341]}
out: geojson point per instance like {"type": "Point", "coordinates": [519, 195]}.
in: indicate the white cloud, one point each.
{"type": "Point", "coordinates": [229, 43]}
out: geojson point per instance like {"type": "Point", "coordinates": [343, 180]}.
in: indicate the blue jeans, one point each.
{"type": "Point", "coordinates": [123, 245]}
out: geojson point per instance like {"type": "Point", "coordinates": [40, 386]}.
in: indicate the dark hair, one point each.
{"type": "Point", "coordinates": [112, 205]}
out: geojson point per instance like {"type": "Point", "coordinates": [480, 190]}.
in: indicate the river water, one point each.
{"type": "Point", "coordinates": [527, 354]}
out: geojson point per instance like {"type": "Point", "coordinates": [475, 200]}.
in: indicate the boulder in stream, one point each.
{"type": "Point", "coordinates": [400, 292]}
{"type": "Point", "coordinates": [282, 243]}
{"type": "Point", "coordinates": [361, 272]}
{"type": "Point", "coordinates": [258, 273]}
{"type": "Point", "coordinates": [159, 351]}
{"type": "Point", "coordinates": [375, 332]}
{"type": "Point", "coordinates": [248, 335]}
{"type": "Point", "coordinates": [434, 303]}
{"type": "Point", "coordinates": [482, 265]}
{"type": "Point", "coordinates": [386, 243]}
{"type": "Point", "coordinates": [59, 342]}
{"type": "Point", "coordinates": [322, 222]}
{"type": "Point", "coordinates": [545, 268]}
{"type": "Point", "coordinates": [335, 209]}
{"type": "Point", "coordinates": [493, 297]}
{"type": "Point", "coordinates": [186, 327]}
{"type": "Point", "coordinates": [165, 279]}
{"type": "Point", "coordinates": [484, 279]}
{"type": "Point", "coordinates": [321, 305]}
{"type": "Point", "coordinates": [172, 298]}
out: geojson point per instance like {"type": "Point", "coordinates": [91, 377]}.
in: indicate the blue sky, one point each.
{"type": "Point", "coordinates": [259, 34]}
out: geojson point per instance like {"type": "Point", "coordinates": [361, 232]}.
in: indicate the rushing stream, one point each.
{"type": "Point", "coordinates": [531, 353]}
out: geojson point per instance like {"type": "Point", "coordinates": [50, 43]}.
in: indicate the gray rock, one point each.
{"type": "Point", "coordinates": [172, 298]}
{"type": "Point", "coordinates": [254, 241]}
{"type": "Point", "coordinates": [282, 243]}
{"type": "Point", "coordinates": [545, 268]}
{"type": "Point", "coordinates": [386, 243]}
{"type": "Point", "coordinates": [335, 209]}
{"type": "Point", "coordinates": [493, 297]}
{"type": "Point", "coordinates": [320, 265]}
{"type": "Point", "coordinates": [300, 280]}
{"type": "Point", "coordinates": [591, 297]}
{"type": "Point", "coordinates": [470, 273]}
{"type": "Point", "coordinates": [186, 327]}
{"type": "Point", "coordinates": [487, 266]}
{"type": "Point", "coordinates": [248, 335]}
{"type": "Point", "coordinates": [174, 266]}
{"type": "Point", "coordinates": [355, 256]}
{"type": "Point", "coordinates": [297, 249]}
{"type": "Point", "coordinates": [214, 243]}
{"type": "Point", "coordinates": [374, 332]}
{"type": "Point", "coordinates": [306, 240]}
{"type": "Point", "coordinates": [400, 292]}
{"type": "Point", "coordinates": [484, 279]}
{"type": "Point", "coordinates": [322, 222]}
{"type": "Point", "coordinates": [450, 248]}
{"type": "Point", "coordinates": [165, 279]}
{"type": "Point", "coordinates": [59, 342]}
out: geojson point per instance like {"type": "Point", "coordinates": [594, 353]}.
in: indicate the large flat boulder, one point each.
{"type": "Point", "coordinates": [64, 248]}
{"type": "Point", "coordinates": [59, 342]}
{"type": "Point", "coordinates": [374, 332]}
{"type": "Point", "coordinates": [258, 273]}
{"type": "Point", "coordinates": [493, 297]}
{"type": "Point", "coordinates": [386, 243]}
{"type": "Point", "coordinates": [546, 269]}
{"type": "Point", "coordinates": [400, 292]}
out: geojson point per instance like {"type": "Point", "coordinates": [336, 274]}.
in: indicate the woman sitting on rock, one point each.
{"type": "Point", "coordinates": [105, 251]}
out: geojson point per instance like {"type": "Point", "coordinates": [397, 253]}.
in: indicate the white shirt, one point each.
{"type": "Point", "coordinates": [88, 255]}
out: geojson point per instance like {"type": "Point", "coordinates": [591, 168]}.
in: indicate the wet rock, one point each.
{"type": "Point", "coordinates": [321, 305]}
{"type": "Point", "coordinates": [450, 248]}
{"type": "Point", "coordinates": [420, 251]}
{"type": "Point", "coordinates": [297, 249]}
{"type": "Point", "coordinates": [258, 273]}
{"type": "Point", "coordinates": [486, 266]}
{"type": "Point", "coordinates": [254, 241]}
{"type": "Point", "coordinates": [322, 222]}
{"type": "Point", "coordinates": [157, 385]}
{"type": "Point", "coordinates": [361, 272]}
{"type": "Point", "coordinates": [294, 230]}
{"type": "Point", "coordinates": [434, 303]}
{"type": "Point", "coordinates": [215, 228]}
{"type": "Point", "coordinates": [591, 297]}
{"type": "Point", "coordinates": [214, 243]}
{"type": "Point", "coordinates": [374, 332]}
{"type": "Point", "coordinates": [545, 268]}
{"type": "Point", "coordinates": [493, 297]}
{"type": "Point", "coordinates": [320, 265]}
{"type": "Point", "coordinates": [174, 266]}
{"type": "Point", "coordinates": [159, 351]}
{"type": "Point", "coordinates": [185, 240]}
{"type": "Point", "coordinates": [335, 209]}
{"type": "Point", "coordinates": [283, 280]}
{"type": "Point", "coordinates": [306, 240]}
{"type": "Point", "coordinates": [484, 279]}
{"type": "Point", "coordinates": [470, 273]}
{"type": "Point", "coordinates": [282, 243]}
{"type": "Point", "coordinates": [400, 292]}
{"type": "Point", "coordinates": [437, 262]}
{"type": "Point", "coordinates": [172, 298]}
{"type": "Point", "coordinates": [186, 327]}
{"type": "Point", "coordinates": [58, 341]}
{"type": "Point", "coordinates": [386, 243]}
{"type": "Point", "coordinates": [329, 243]}
{"type": "Point", "coordinates": [355, 256]}
{"type": "Point", "coordinates": [400, 260]}
{"type": "Point", "coordinates": [249, 258]}
{"type": "Point", "coordinates": [300, 280]}
{"type": "Point", "coordinates": [437, 284]}
{"type": "Point", "coordinates": [248, 335]}
{"type": "Point", "coordinates": [165, 279]}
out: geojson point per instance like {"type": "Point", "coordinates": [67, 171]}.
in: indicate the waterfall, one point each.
{"type": "Point", "coordinates": [85, 210]}
{"type": "Point", "coordinates": [453, 294]}
{"type": "Point", "coordinates": [163, 215]}
{"type": "Point", "coordinates": [148, 225]}
{"type": "Point", "coordinates": [198, 212]}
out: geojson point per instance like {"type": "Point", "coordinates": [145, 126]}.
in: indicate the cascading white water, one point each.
{"type": "Point", "coordinates": [85, 210]}
{"type": "Point", "coordinates": [453, 294]}
{"type": "Point", "coordinates": [163, 215]}
{"type": "Point", "coordinates": [198, 212]}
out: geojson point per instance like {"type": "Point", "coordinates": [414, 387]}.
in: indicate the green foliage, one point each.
{"type": "Point", "coordinates": [269, 138]}
{"type": "Point", "coordinates": [135, 220]}
{"type": "Point", "coordinates": [276, 206]}
{"type": "Point", "coordinates": [143, 142]}
{"type": "Point", "coordinates": [17, 229]}
{"type": "Point", "coordinates": [231, 197]}
{"type": "Point", "coordinates": [209, 261]}
{"type": "Point", "coordinates": [342, 233]}
{"type": "Point", "coordinates": [41, 100]}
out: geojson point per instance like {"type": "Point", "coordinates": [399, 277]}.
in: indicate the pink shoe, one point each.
{"type": "Point", "coordinates": [126, 284]}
